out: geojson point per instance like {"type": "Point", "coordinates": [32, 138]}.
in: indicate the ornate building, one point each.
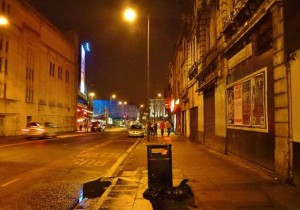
{"type": "Point", "coordinates": [231, 76]}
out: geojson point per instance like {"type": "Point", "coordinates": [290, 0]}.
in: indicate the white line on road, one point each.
{"type": "Point", "coordinates": [17, 144]}
{"type": "Point", "coordinates": [111, 173]}
{"type": "Point", "coordinates": [12, 181]}
{"type": "Point", "coordinates": [113, 169]}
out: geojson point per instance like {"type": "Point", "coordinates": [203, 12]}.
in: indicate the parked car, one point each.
{"type": "Point", "coordinates": [40, 130]}
{"type": "Point", "coordinates": [136, 130]}
{"type": "Point", "coordinates": [97, 127]}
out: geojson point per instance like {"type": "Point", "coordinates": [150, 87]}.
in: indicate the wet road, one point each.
{"type": "Point", "coordinates": [50, 173]}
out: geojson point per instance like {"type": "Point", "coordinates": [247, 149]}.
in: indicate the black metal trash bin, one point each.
{"type": "Point", "coordinates": [160, 176]}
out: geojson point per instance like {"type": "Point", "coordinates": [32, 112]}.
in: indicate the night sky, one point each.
{"type": "Point", "coordinates": [117, 63]}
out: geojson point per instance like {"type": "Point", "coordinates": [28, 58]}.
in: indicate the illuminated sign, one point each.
{"type": "Point", "coordinates": [172, 105]}
{"type": "Point", "coordinates": [82, 71]}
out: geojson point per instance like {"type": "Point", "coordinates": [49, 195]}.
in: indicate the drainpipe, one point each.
{"type": "Point", "coordinates": [291, 58]}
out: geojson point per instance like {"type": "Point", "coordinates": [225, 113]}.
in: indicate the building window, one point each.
{"type": "Point", "coordinates": [30, 77]}
{"type": "Point", "coordinates": [6, 66]}
{"type": "Point", "coordinates": [59, 72]}
{"type": "Point", "coordinates": [52, 69]}
{"type": "Point", "coordinates": [67, 76]}
{"type": "Point", "coordinates": [246, 103]}
{"type": "Point", "coordinates": [3, 6]}
{"type": "Point", "coordinates": [1, 43]}
{"type": "Point", "coordinates": [6, 47]}
{"type": "Point", "coordinates": [4, 90]}
{"type": "Point", "coordinates": [6, 8]}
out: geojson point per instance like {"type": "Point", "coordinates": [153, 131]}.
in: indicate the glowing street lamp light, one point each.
{"type": "Point", "coordinates": [92, 95]}
{"type": "Point", "coordinates": [92, 98]}
{"type": "Point", "coordinates": [129, 15]}
{"type": "Point", "coordinates": [113, 96]}
{"type": "Point", "coordinates": [3, 21]}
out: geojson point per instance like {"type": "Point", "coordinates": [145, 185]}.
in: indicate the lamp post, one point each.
{"type": "Point", "coordinates": [113, 96]}
{"type": "Point", "coordinates": [130, 16]}
{"type": "Point", "coordinates": [92, 104]}
{"type": "Point", "coordinates": [122, 103]}
{"type": "Point", "coordinates": [154, 105]}
{"type": "Point", "coordinates": [141, 113]}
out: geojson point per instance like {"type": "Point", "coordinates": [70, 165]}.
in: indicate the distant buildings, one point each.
{"type": "Point", "coordinates": [113, 112]}
{"type": "Point", "coordinates": [38, 70]}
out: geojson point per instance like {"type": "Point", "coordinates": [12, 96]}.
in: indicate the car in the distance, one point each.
{"type": "Point", "coordinates": [97, 126]}
{"type": "Point", "coordinates": [136, 130]}
{"type": "Point", "coordinates": [39, 130]}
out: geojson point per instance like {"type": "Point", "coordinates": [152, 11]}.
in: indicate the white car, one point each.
{"type": "Point", "coordinates": [136, 130]}
{"type": "Point", "coordinates": [39, 130]}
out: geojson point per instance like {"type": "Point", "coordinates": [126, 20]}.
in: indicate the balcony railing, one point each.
{"type": "Point", "coordinates": [193, 71]}
{"type": "Point", "coordinates": [241, 12]}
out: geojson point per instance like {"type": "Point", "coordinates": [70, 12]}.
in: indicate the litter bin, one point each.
{"type": "Point", "coordinates": [159, 167]}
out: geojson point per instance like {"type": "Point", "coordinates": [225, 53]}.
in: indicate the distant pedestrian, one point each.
{"type": "Point", "coordinates": [162, 127]}
{"type": "Point", "coordinates": [168, 127]}
{"type": "Point", "coordinates": [155, 128]}
{"type": "Point", "coordinates": [86, 127]}
{"type": "Point", "coordinates": [152, 128]}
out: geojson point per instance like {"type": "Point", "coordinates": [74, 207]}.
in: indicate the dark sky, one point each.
{"type": "Point", "coordinates": [117, 62]}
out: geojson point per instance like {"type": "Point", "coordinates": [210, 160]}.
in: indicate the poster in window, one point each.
{"type": "Point", "coordinates": [230, 111]}
{"type": "Point", "coordinates": [258, 87]}
{"type": "Point", "coordinates": [246, 102]}
{"type": "Point", "coordinates": [238, 104]}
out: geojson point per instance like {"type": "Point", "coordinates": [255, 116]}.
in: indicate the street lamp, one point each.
{"type": "Point", "coordinates": [92, 97]}
{"type": "Point", "coordinates": [3, 21]}
{"type": "Point", "coordinates": [130, 15]}
{"type": "Point", "coordinates": [92, 104]}
{"type": "Point", "coordinates": [154, 105]}
{"type": "Point", "coordinates": [113, 96]}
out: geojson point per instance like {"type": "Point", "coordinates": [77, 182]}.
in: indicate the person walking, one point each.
{"type": "Point", "coordinates": [155, 128]}
{"type": "Point", "coordinates": [162, 127]}
{"type": "Point", "coordinates": [168, 127]}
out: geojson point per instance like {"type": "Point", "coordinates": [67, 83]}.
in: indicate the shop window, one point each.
{"type": "Point", "coordinates": [246, 102]}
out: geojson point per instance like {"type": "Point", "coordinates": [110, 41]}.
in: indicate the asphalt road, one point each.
{"type": "Point", "coordinates": [50, 173]}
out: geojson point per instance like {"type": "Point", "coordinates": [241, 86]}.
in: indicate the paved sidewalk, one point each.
{"type": "Point", "coordinates": [217, 181]}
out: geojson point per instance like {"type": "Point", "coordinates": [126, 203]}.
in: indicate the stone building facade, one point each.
{"type": "Point", "coordinates": [39, 70]}
{"type": "Point", "coordinates": [234, 76]}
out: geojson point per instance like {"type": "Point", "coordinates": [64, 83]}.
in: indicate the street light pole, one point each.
{"type": "Point", "coordinates": [148, 74]}
{"type": "Point", "coordinates": [130, 15]}
{"type": "Point", "coordinates": [148, 59]}
{"type": "Point", "coordinates": [92, 103]}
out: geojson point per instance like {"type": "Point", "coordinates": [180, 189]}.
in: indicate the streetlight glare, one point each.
{"type": "Point", "coordinates": [3, 20]}
{"type": "Point", "coordinates": [129, 15]}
